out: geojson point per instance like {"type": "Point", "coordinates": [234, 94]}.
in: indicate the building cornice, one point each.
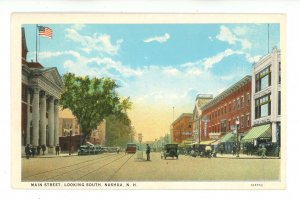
{"type": "Point", "coordinates": [228, 91]}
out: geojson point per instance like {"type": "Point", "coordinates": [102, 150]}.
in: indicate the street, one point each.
{"type": "Point", "coordinates": [127, 167]}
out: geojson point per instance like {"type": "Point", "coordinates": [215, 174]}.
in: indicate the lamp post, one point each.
{"type": "Point", "coordinates": [70, 141]}
{"type": "Point", "coordinates": [237, 123]}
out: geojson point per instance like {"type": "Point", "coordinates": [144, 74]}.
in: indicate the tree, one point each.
{"type": "Point", "coordinates": [118, 131]}
{"type": "Point", "coordinates": [91, 100]}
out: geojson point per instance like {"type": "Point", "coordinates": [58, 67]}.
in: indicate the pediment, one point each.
{"type": "Point", "coordinates": [53, 76]}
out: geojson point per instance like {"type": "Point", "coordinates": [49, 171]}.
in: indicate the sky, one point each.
{"type": "Point", "coordinates": [159, 66]}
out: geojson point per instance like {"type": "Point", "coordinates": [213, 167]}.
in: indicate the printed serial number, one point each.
{"type": "Point", "coordinates": [257, 185]}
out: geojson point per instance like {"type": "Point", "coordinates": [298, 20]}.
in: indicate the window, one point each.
{"type": "Point", "coordinates": [242, 102]}
{"type": "Point", "coordinates": [263, 106]}
{"type": "Point", "coordinates": [242, 121]}
{"type": "Point", "coordinates": [248, 99]}
{"type": "Point", "coordinates": [223, 126]}
{"type": "Point", "coordinates": [238, 103]}
{"type": "Point", "coordinates": [229, 107]}
{"type": "Point", "coordinates": [233, 105]}
{"type": "Point", "coordinates": [263, 79]}
{"type": "Point", "coordinates": [248, 120]}
{"type": "Point", "coordinates": [279, 102]}
{"type": "Point", "coordinates": [279, 73]}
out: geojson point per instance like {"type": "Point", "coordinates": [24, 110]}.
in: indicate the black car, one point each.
{"type": "Point", "coordinates": [170, 150]}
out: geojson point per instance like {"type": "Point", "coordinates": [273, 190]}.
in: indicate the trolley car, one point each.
{"type": "Point", "coordinates": [131, 148]}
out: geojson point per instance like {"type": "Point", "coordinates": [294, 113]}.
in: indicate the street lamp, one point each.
{"type": "Point", "coordinates": [237, 123]}
{"type": "Point", "coordinates": [70, 134]}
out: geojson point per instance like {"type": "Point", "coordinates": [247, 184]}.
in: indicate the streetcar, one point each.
{"type": "Point", "coordinates": [131, 148]}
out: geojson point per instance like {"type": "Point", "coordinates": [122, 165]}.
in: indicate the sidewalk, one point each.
{"type": "Point", "coordinates": [63, 154]}
{"type": "Point", "coordinates": [244, 156]}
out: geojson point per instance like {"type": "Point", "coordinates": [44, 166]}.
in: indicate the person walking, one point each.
{"type": "Point", "coordinates": [263, 152]}
{"type": "Point", "coordinates": [27, 151]}
{"type": "Point", "coordinates": [32, 151]}
{"type": "Point", "coordinates": [43, 148]}
{"type": "Point", "coordinates": [57, 150]}
{"type": "Point", "coordinates": [148, 149]}
{"type": "Point", "coordinates": [208, 151]}
{"type": "Point", "coordinates": [38, 150]}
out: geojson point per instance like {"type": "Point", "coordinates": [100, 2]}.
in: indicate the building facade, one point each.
{"type": "Point", "coordinates": [201, 100]}
{"type": "Point", "coordinates": [181, 128]}
{"type": "Point", "coordinates": [266, 103]}
{"type": "Point", "coordinates": [41, 91]}
{"type": "Point", "coordinates": [70, 135]}
{"type": "Point", "coordinates": [221, 114]}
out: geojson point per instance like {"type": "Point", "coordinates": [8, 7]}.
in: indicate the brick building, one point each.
{"type": "Point", "coordinates": [181, 128]}
{"type": "Point", "coordinates": [68, 123]}
{"type": "Point", "coordinates": [223, 111]}
{"type": "Point", "coordinates": [201, 100]}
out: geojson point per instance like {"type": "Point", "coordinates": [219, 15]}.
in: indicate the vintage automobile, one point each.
{"type": "Point", "coordinates": [170, 150]}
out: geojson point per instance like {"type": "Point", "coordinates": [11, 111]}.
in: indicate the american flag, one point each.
{"type": "Point", "coordinates": [45, 31]}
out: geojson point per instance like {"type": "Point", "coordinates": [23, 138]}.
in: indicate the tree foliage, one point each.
{"type": "Point", "coordinates": [118, 131]}
{"type": "Point", "coordinates": [91, 100]}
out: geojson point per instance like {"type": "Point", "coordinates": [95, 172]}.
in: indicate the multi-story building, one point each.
{"type": "Point", "coordinates": [266, 100]}
{"type": "Point", "coordinates": [70, 135]}
{"type": "Point", "coordinates": [221, 114]}
{"type": "Point", "coordinates": [181, 128]}
{"type": "Point", "coordinates": [201, 100]}
{"type": "Point", "coordinates": [41, 91]}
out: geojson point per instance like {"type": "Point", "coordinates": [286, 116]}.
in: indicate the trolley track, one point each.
{"type": "Point", "coordinates": [71, 165]}
{"type": "Point", "coordinates": [102, 166]}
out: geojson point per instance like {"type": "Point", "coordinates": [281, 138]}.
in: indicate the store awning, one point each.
{"type": "Point", "coordinates": [88, 143]}
{"type": "Point", "coordinates": [263, 131]}
{"type": "Point", "coordinates": [208, 142]}
{"type": "Point", "coordinates": [215, 142]}
{"type": "Point", "coordinates": [229, 137]}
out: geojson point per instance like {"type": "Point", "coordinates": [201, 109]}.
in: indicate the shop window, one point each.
{"type": "Point", "coordinates": [263, 106]}
{"type": "Point", "coordinates": [263, 79]}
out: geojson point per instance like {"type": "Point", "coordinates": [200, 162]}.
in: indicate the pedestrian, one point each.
{"type": "Point", "coordinates": [263, 151]}
{"type": "Point", "coordinates": [43, 148]}
{"type": "Point", "coordinates": [27, 151]}
{"type": "Point", "coordinates": [32, 150]}
{"type": "Point", "coordinates": [222, 149]}
{"type": "Point", "coordinates": [57, 149]}
{"type": "Point", "coordinates": [233, 149]}
{"type": "Point", "coordinates": [38, 149]}
{"type": "Point", "coordinates": [208, 151]}
{"type": "Point", "coordinates": [148, 149]}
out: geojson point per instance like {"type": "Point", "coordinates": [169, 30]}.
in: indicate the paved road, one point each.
{"type": "Point", "coordinates": [126, 167]}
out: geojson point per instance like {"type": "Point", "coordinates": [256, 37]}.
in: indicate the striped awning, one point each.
{"type": "Point", "coordinates": [229, 137]}
{"type": "Point", "coordinates": [263, 131]}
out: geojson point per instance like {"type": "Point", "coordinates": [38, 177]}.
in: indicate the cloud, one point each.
{"type": "Point", "coordinates": [226, 35]}
{"type": "Point", "coordinates": [252, 59]}
{"type": "Point", "coordinates": [171, 71]}
{"type": "Point", "coordinates": [210, 61]}
{"type": "Point", "coordinates": [78, 27]}
{"type": "Point", "coordinates": [159, 39]}
{"type": "Point", "coordinates": [98, 42]}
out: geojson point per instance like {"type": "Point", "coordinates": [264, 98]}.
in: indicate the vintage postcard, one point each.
{"type": "Point", "coordinates": [148, 101]}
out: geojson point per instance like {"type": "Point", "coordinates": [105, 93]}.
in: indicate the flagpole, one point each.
{"type": "Point", "coordinates": [36, 43]}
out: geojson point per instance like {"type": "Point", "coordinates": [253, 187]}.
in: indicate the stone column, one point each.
{"type": "Point", "coordinates": [35, 116]}
{"type": "Point", "coordinates": [51, 121]}
{"type": "Point", "coordinates": [28, 118]}
{"type": "Point", "coordinates": [43, 118]}
{"type": "Point", "coordinates": [56, 138]}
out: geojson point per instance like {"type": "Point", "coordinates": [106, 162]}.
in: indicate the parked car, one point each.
{"type": "Point", "coordinates": [170, 150]}
{"type": "Point", "coordinates": [84, 150]}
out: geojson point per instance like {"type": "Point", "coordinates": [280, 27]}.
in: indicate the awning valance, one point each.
{"type": "Point", "coordinates": [229, 137]}
{"type": "Point", "coordinates": [208, 142]}
{"type": "Point", "coordinates": [263, 131]}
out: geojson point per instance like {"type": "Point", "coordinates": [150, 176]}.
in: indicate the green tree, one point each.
{"type": "Point", "coordinates": [91, 100]}
{"type": "Point", "coordinates": [118, 130]}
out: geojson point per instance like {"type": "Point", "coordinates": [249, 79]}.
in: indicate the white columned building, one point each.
{"type": "Point", "coordinates": [266, 94]}
{"type": "Point", "coordinates": [41, 91]}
